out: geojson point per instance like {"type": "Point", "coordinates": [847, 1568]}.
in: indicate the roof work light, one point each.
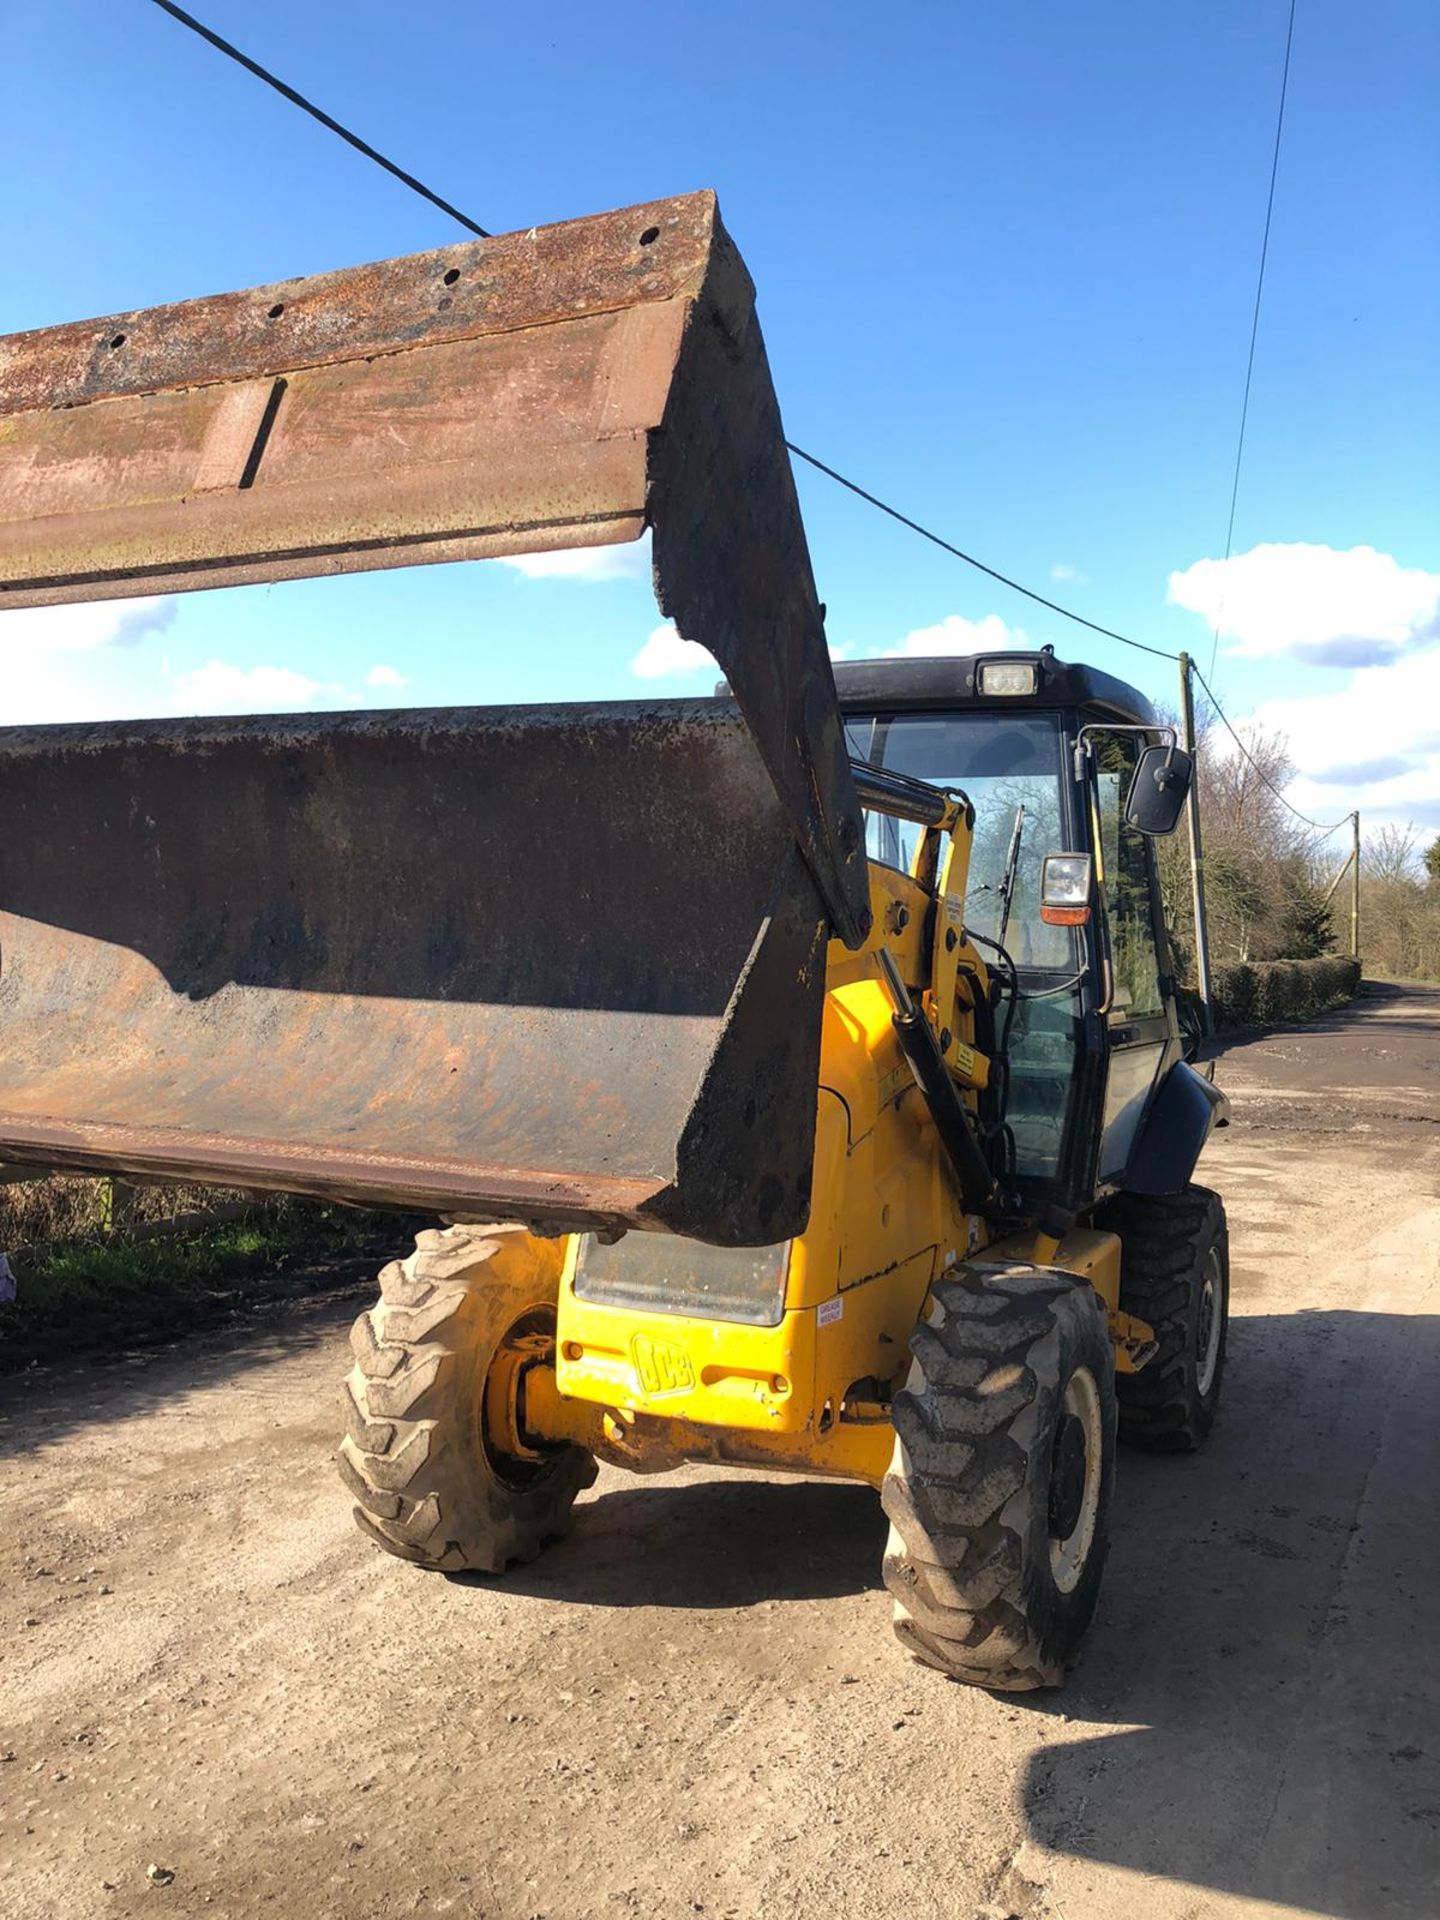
{"type": "Point", "coordinates": [1006, 678]}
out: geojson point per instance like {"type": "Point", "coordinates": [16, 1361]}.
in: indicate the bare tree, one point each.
{"type": "Point", "coordinates": [1391, 853]}
{"type": "Point", "coordinates": [1400, 905]}
{"type": "Point", "coordinates": [1261, 862]}
{"type": "Point", "coordinates": [1267, 874]}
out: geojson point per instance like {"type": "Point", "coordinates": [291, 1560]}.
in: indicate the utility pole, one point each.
{"type": "Point", "coordinates": [1197, 855]}
{"type": "Point", "coordinates": [1355, 885]}
{"type": "Point", "coordinates": [1333, 887]}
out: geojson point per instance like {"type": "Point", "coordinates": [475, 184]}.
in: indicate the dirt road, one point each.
{"type": "Point", "coordinates": [694, 1705]}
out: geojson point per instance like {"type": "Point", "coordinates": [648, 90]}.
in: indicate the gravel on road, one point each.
{"type": "Point", "coordinates": [216, 1699]}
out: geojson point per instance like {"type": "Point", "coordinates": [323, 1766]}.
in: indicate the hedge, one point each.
{"type": "Point", "coordinates": [1266, 993]}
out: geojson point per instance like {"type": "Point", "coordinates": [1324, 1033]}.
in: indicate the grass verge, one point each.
{"type": "Point", "coordinates": [125, 1293]}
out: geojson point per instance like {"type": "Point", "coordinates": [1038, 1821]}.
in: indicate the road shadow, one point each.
{"type": "Point", "coordinates": [733, 1542]}
{"type": "Point", "coordinates": [1266, 1644]}
{"type": "Point", "coordinates": [1258, 1711]}
{"type": "Point", "coordinates": [1356, 1020]}
{"type": "Point", "coordinates": [44, 1403]}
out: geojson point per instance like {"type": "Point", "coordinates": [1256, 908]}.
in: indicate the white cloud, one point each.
{"type": "Point", "coordinates": [220, 688]}
{"type": "Point", "coordinates": [139, 618]}
{"type": "Point", "coordinates": [1064, 571]}
{"type": "Point", "coordinates": [666, 653]}
{"type": "Point", "coordinates": [628, 562]}
{"type": "Point", "coordinates": [1372, 744]}
{"type": "Point", "coordinates": [77, 662]}
{"type": "Point", "coordinates": [86, 662]}
{"type": "Point", "coordinates": [957, 635]}
{"type": "Point", "coordinates": [1325, 606]}
{"type": "Point", "coordinates": [28, 631]}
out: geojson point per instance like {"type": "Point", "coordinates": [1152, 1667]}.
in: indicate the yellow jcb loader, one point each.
{"type": "Point", "coordinates": [795, 1073]}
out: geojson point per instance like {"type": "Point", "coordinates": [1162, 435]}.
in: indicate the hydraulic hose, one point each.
{"type": "Point", "coordinates": [978, 1186]}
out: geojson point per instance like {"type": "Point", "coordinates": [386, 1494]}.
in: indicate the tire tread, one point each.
{"type": "Point", "coordinates": [1163, 1239]}
{"type": "Point", "coordinates": [955, 1562]}
{"type": "Point", "coordinates": [411, 1457]}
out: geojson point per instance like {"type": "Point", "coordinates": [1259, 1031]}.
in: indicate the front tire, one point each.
{"type": "Point", "coordinates": [1000, 1488]}
{"type": "Point", "coordinates": [1175, 1274]}
{"type": "Point", "coordinates": [456, 1322]}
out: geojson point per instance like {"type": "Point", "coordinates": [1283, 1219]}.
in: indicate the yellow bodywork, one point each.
{"type": "Point", "coordinates": [812, 1394]}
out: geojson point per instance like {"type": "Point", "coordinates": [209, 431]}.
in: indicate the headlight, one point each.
{"type": "Point", "coordinates": [1006, 677]}
{"type": "Point", "coordinates": [1065, 882]}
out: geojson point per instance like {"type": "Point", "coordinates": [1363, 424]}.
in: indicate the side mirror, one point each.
{"type": "Point", "coordinates": [1157, 793]}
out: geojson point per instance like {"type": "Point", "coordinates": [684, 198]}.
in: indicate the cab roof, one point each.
{"type": "Point", "coordinates": [928, 685]}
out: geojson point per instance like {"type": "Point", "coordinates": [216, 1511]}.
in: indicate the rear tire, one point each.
{"type": "Point", "coordinates": [999, 1491]}
{"type": "Point", "coordinates": [429, 1484]}
{"type": "Point", "coordinates": [1174, 1273]}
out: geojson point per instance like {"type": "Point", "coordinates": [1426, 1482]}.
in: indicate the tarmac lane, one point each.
{"type": "Point", "coordinates": [694, 1704]}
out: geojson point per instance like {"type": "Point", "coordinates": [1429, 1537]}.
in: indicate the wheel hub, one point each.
{"type": "Point", "coordinates": [514, 1455]}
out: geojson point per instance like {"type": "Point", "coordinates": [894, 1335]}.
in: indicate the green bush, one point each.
{"type": "Point", "coordinates": [1280, 992]}
{"type": "Point", "coordinates": [1266, 993]}
{"type": "Point", "coordinates": [1234, 990]}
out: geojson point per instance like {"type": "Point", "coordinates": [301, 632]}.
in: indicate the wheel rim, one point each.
{"type": "Point", "coordinates": [1077, 1462]}
{"type": "Point", "coordinates": [1209, 1323]}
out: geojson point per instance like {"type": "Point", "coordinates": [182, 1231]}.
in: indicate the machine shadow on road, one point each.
{"type": "Point", "coordinates": [40, 1407]}
{"type": "Point", "coordinates": [731, 1542]}
{"type": "Point", "coordinates": [1266, 1639]}
{"type": "Point", "coordinates": [1356, 1020]}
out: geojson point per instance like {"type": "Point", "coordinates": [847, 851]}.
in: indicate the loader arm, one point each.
{"type": "Point", "coordinates": [556, 964]}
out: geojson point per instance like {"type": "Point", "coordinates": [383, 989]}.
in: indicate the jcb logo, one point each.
{"type": "Point", "coordinates": [660, 1367]}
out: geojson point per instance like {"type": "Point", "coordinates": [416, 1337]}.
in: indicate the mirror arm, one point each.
{"type": "Point", "coordinates": [1165, 737]}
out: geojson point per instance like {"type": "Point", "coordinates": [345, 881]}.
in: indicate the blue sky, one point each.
{"type": "Point", "coordinates": [1005, 260]}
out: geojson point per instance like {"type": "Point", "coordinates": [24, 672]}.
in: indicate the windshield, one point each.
{"type": "Point", "coordinates": [1004, 763]}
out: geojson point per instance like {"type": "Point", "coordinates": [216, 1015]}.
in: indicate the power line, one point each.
{"type": "Point", "coordinates": [1080, 620]}
{"type": "Point", "coordinates": [361, 146]}
{"type": "Point", "coordinates": [1259, 772]}
{"type": "Point", "coordinates": [317, 113]}
{"type": "Point", "coordinates": [1255, 315]}
{"type": "Point", "coordinates": [883, 506]}
{"type": "Point", "coordinates": [1066, 613]}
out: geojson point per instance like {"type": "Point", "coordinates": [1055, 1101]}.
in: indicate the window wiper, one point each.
{"type": "Point", "coordinates": [1007, 884]}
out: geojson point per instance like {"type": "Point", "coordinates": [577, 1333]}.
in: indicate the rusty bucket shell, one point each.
{"type": "Point", "coordinates": [554, 964]}
{"type": "Point", "coordinates": [557, 964]}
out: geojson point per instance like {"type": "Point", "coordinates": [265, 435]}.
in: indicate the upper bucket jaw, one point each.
{"type": "Point", "coordinates": [563, 386]}
{"type": "Point", "coordinates": [488, 398]}
{"type": "Point", "coordinates": [568, 385]}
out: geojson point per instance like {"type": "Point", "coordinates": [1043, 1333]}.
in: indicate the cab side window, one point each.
{"type": "Point", "coordinates": [1127, 886]}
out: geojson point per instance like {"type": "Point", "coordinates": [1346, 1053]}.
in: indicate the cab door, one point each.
{"type": "Point", "coordinates": [1138, 1019]}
